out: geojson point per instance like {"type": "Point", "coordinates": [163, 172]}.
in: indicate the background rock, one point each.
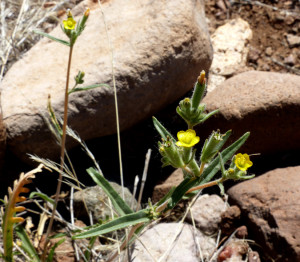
{"type": "Point", "coordinates": [266, 104]}
{"type": "Point", "coordinates": [158, 51]}
{"type": "Point", "coordinates": [206, 213]}
{"type": "Point", "coordinates": [97, 202]}
{"type": "Point", "coordinates": [230, 44]}
{"type": "Point", "coordinates": [160, 239]}
{"type": "Point", "coordinates": [163, 188]}
{"type": "Point", "coordinates": [271, 204]}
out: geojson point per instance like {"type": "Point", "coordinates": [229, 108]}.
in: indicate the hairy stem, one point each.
{"type": "Point", "coordinates": [62, 155]}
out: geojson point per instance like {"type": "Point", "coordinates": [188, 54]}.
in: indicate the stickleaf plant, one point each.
{"type": "Point", "coordinates": [199, 171]}
{"type": "Point", "coordinates": [179, 153]}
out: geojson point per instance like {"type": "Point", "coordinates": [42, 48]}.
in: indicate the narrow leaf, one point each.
{"type": "Point", "coordinates": [226, 154]}
{"type": "Point", "coordinates": [118, 223]}
{"type": "Point", "coordinates": [161, 130]}
{"type": "Point", "coordinates": [52, 250]}
{"type": "Point", "coordinates": [119, 204]}
{"type": "Point", "coordinates": [87, 88]}
{"type": "Point", "coordinates": [26, 244]}
{"type": "Point", "coordinates": [43, 196]}
{"type": "Point", "coordinates": [209, 115]}
{"type": "Point", "coordinates": [52, 37]}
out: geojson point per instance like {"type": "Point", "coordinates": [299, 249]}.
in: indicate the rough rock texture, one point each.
{"type": "Point", "coordinates": [230, 220]}
{"type": "Point", "coordinates": [158, 50]}
{"type": "Point", "coordinates": [160, 240]}
{"type": "Point", "coordinates": [161, 189]}
{"type": "Point", "coordinates": [266, 104]}
{"type": "Point", "coordinates": [271, 204]}
{"type": "Point", "coordinates": [230, 44]}
{"type": "Point", "coordinates": [206, 213]}
{"type": "Point", "coordinates": [97, 202]}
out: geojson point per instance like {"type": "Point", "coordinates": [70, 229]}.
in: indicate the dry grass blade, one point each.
{"type": "Point", "coordinates": [18, 19]}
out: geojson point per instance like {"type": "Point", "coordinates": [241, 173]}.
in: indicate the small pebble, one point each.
{"type": "Point", "coordinates": [242, 232]}
{"type": "Point", "coordinates": [289, 20]}
{"type": "Point", "coordinates": [290, 60]}
{"type": "Point", "coordinates": [253, 257]}
{"type": "Point", "coordinates": [293, 40]}
{"type": "Point", "coordinates": [269, 51]}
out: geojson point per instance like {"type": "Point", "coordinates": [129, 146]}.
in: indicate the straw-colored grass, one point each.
{"type": "Point", "coordinates": [18, 19]}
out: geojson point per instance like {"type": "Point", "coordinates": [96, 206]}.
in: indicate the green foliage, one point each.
{"type": "Point", "coordinates": [26, 244]}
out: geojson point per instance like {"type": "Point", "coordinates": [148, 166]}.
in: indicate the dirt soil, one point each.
{"type": "Point", "coordinates": [275, 25]}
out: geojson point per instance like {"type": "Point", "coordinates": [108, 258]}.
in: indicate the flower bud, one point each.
{"type": "Point", "coordinates": [212, 146]}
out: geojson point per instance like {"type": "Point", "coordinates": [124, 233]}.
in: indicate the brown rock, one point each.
{"type": "Point", "coordinates": [271, 204]}
{"type": "Point", "coordinates": [242, 232]}
{"type": "Point", "coordinates": [263, 103]}
{"type": "Point", "coordinates": [173, 180]}
{"type": "Point", "coordinates": [230, 219]}
{"type": "Point", "coordinates": [159, 49]}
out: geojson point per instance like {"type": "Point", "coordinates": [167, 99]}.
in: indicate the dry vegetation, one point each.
{"type": "Point", "coordinates": [19, 18]}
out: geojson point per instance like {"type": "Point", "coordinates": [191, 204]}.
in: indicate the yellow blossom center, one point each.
{"type": "Point", "coordinates": [187, 138]}
{"type": "Point", "coordinates": [242, 161]}
{"type": "Point", "coordinates": [69, 23]}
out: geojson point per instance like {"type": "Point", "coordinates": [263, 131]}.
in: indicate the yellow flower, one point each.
{"type": "Point", "coordinates": [242, 161]}
{"type": "Point", "coordinates": [69, 23]}
{"type": "Point", "coordinates": [187, 138]}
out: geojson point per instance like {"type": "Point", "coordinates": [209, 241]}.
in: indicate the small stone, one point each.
{"type": "Point", "coordinates": [290, 60]}
{"type": "Point", "coordinates": [206, 213]}
{"type": "Point", "coordinates": [253, 256]}
{"type": "Point", "coordinates": [242, 232]}
{"type": "Point", "coordinates": [233, 251]}
{"type": "Point", "coordinates": [269, 51]}
{"type": "Point", "coordinates": [230, 219]}
{"type": "Point", "coordinates": [293, 40]}
{"type": "Point", "coordinates": [253, 54]}
{"type": "Point", "coordinates": [289, 20]}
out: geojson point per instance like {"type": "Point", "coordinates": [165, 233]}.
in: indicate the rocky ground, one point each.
{"type": "Point", "coordinates": [274, 47]}
{"type": "Point", "coordinates": [275, 25]}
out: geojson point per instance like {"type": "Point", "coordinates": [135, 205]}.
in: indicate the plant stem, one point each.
{"type": "Point", "coordinates": [209, 184]}
{"type": "Point", "coordinates": [201, 168]}
{"type": "Point", "coordinates": [62, 156]}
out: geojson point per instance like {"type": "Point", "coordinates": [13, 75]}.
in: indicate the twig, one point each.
{"type": "Point", "coordinates": [289, 68]}
{"type": "Point", "coordinates": [148, 155]}
{"type": "Point", "coordinates": [136, 181]}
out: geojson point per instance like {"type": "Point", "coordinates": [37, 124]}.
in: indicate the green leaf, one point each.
{"type": "Point", "coordinates": [118, 223]}
{"type": "Point", "coordinates": [208, 115]}
{"type": "Point", "coordinates": [87, 88]}
{"type": "Point", "coordinates": [26, 244]}
{"type": "Point", "coordinates": [226, 154]}
{"type": "Point", "coordinates": [43, 196]}
{"type": "Point", "coordinates": [119, 204]}
{"type": "Point", "coordinates": [52, 37]}
{"type": "Point", "coordinates": [161, 130]}
{"type": "Point", "coordinates": [52, 250]}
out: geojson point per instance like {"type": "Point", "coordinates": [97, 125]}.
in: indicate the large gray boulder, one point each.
{"type": "Point", "coordinates": [159, 49]}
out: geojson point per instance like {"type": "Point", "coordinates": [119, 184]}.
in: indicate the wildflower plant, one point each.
{"type": "Point", "coordinates": [180, 153]}
{"type": "Point", "coordinates": [199, 171]}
